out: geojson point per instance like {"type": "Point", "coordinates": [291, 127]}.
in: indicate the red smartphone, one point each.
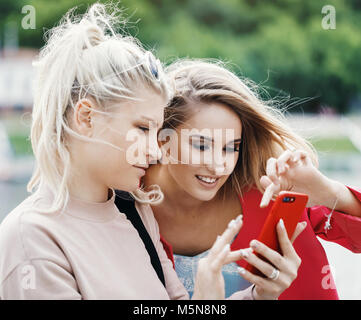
{"type": "Point", "coordinates": [287, 206]}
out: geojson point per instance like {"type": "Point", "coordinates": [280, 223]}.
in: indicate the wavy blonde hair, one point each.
{"type": "Point", "coordinates": [83, 58]}
{"type": "Point", "coordinates": [265, 133]}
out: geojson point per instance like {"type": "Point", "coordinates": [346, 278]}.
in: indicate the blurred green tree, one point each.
{"type": "Point", "coordinates": [279, 43]}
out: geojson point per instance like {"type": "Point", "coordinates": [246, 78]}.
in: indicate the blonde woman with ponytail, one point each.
{"type": "Point", "coordinates": [96, 93]}
{"type": "Point", "coordinates": [227, 152]}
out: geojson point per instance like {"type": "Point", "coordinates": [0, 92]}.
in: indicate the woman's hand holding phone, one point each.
{"type": "Point", "coordinates": [286, 263]}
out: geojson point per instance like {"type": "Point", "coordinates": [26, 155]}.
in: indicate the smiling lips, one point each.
{"type": "Point", "coordinates": [208, 180]}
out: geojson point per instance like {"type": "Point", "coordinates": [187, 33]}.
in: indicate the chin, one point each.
{"type": "Point", "coordinates": [204, 196]}
{"type": "Point", "coordinates": [128, 187]}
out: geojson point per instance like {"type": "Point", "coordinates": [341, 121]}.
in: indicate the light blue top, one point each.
{"type": "Point", "coordinates": [186, 269]}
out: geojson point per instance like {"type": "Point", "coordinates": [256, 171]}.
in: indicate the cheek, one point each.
{"type": "Point", "coordinates": [181, 173]}
{"type": "Point", "coordinates": [231, 162]}
{"type": "Point", "coordinates": [184, 152]}
{"type": "Point", "coordinates": [133, 148]}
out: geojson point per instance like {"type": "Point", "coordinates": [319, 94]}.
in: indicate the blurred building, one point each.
{"type": "Point", "coordinates": [16, 76]}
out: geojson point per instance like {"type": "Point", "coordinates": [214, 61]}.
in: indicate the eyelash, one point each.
{"type": "Point", "coordinates": [202, 148]}
{"type": "Point", "coordinates": [144, 129]}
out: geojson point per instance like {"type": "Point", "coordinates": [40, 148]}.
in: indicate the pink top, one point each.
{"type": "Point", "coordinates": [90, 251]}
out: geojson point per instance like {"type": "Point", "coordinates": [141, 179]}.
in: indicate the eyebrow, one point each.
{"type": "Point", "coordinates": [211, 139]}
{"type": "Point", "coordinates": [149, 119]}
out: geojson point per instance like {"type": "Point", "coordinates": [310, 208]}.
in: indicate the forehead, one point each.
{"type": "Point", "coordinates": [214, 115]}
{"type": "Point", "coordinates": [148, 107]}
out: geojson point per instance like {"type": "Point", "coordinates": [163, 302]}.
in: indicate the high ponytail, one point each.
{"type": "Point", "coordinates": [83, 57]}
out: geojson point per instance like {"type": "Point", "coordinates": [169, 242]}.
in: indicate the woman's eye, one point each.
{"type": "Point", "coordinates": [201, 147]}
{"type": "Point", "coordinates": [145, 129]}
{"type": "Point", "coordinates": [233, 149]}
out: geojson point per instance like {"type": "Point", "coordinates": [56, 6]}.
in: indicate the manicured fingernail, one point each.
{"type": "Point", "coordinates": [282, 224]}
{"type": "Point", "coordinates": [231, 224]}
{"type": "Point", "coordinates": [241, 270]}
{"type": "Point", "coordinates": [244, 253]}
{"type": "Point", "coordinates": [254, 244]}
{"type": "Point", "coordinates": [239, 218]}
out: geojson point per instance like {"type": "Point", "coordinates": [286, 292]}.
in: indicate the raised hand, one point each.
{"type": "Point", "coordinates": [293, 171]}
{"type": "Point", "coordinates": [209, 282]}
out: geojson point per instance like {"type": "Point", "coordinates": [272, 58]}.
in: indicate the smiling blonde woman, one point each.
{"type": "Point", "coordinates": [68, 240]}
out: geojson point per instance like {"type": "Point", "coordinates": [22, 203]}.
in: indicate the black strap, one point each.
{"type": "Point", "coordinates": [126, 204]}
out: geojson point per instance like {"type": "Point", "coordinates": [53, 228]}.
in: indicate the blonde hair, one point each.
{"type": "Point", "coordinates": [83, 57]}
{"type": "Point", "coordinates": [264, 131]}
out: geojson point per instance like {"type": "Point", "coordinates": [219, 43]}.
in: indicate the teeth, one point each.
{"type": "Point", "coordinates": [206, 179]}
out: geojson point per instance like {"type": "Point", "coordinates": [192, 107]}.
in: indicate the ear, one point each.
{"type": "Point", "coordinates": [83, 113]}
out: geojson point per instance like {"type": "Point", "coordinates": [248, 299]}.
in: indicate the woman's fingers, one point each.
{"type": "Point", "coordinates": [282, 160]}
{"type": "Point", "coordinates": [299, 228]}
{"type": "Point", "coordinates": [287, 264]}
{"type": "Point", "coordinates": [268, 194]}
{"type": "Point", "coordinates": [277, 170]}
{"type": "Point", "coordinates": [271, 255]}
{"type": "Point", "coordinates": [287, 248]}
{"type": "Point", "coordinates": [265, 182]}
{"type": "Point", "coordinates": [217, 263]}
{"type": "Point", "coordinates": [237, 255]}
{"type": "Point", "coordinates": [265, 267]}
{"type": "Point", "coordinates": [257, 280]}
{"type": "Point", "coordinates": [301, 155]}
{"type": "Point", "coordinates": [271, 170]}
{"type": "Point", "coordinates": [233, 228]}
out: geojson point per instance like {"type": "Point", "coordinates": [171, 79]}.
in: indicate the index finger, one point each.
{"type": "Point", "coordinates": [233, 227]}
{"type": "Point", "coordinates": [268, 194]}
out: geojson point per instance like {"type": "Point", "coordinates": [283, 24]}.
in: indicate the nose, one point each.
{"type": "Point", "coordinates": [154, 153]}
{"type": "Point", "coordinates": [218, 165]}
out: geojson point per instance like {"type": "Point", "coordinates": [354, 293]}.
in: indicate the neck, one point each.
{"type": "Point", "coordinates": [85, 187]}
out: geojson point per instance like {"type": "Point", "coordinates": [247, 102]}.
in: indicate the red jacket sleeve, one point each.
{"type": "Point", "coordinates": [344, 229]}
